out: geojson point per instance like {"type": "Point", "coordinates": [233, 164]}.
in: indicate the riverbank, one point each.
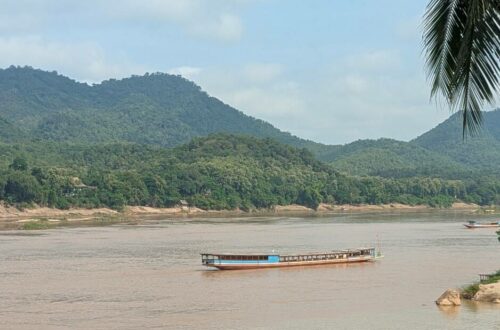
{"type": "Point", "coordinates": [44, 217]}
{"type": "Point", "coordinates": [487, 290]}
{"type": "Point", "coordinates": [10, 212]}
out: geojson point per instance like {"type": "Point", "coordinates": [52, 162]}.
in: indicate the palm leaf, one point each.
{"type": "Point", "coordinates": [462, 47]}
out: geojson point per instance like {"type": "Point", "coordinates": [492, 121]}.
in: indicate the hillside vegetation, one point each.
{"type": "Point", "coordinates": [391, 158]}
{"type": "Point", "coordinates": [216, 172]}
{"type": "Point", "coordinates": [155, 109]}
{"type": "Point", "coordinates": [440, 152]}
{"type": "Point", "coordinates": [155, 139]}
{"type": "Point", "coordinates": [166, 110]}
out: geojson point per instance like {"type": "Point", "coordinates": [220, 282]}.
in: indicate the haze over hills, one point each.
{"type": "Point", "coordinates": [167, 110]}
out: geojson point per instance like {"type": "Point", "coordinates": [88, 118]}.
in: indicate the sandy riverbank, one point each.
{"type": "Point", "coordinates": [12, 213]}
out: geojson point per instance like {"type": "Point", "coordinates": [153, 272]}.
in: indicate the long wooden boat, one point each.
{"type": "Point", "coordinates": [252, 261]}
{"type": "Point", "coordinates": [474, 224]}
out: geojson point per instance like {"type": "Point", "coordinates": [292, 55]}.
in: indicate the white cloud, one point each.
{"type": "Point", "coordinates": [377, 60]}
{"type": "Point", "coordinates": [359, 104]}
{"type": "Point", "coordinates": [333, 106]}
{"type": "Point", "coordinates": [274, 102]}
{"type": "Point", "coordinates": [151, 9]}
{"type": "Point", "coordinates": [20, 23]}
{"type": "Point", "coordinates": [338, 106]}
{"type": "Point", "coordinates": [85, 61]}
{"type": "Point", "coordinates": [368, 95]}
{"type": "Point", "coordinates": [354, 84]}
{"type": "Point", "coordinates": [202, 18]}
{"type": "Point", "coordinates": [410, 29]}
{"type": "Point", "coordinates": [262, 72]}
{"type": "Point", "coordinates": [188, 72]}
{"type": "Point", "coordinates": [216, 20]}
{"type": "Point", "coordinates": [258, 89]}
{"type": "Point", "coordinates": [225, 27]}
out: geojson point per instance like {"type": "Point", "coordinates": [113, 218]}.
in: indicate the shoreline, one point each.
{"type": "Point", "coordinates": [13, 213]}
{"type": "Point", "coordinates": [486, 290]}
{"type": "Point", "coordinates": [14, 218]}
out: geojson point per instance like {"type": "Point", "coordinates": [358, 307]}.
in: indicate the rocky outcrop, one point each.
{"type": "Point", "coordinates": [449, 298]}
{"type": "Point", "coordinates": [488, 293]}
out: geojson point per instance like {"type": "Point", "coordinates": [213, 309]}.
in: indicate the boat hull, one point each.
{"type": "Point", "coordinates": [291, 263]}
{"type": "Point", "coordinates": [481, 226]}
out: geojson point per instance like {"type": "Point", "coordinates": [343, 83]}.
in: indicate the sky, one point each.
{"type": "Point", "coordinates": [332, 71]}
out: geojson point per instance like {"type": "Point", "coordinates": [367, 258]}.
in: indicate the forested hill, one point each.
{"type": "Point", "coordinates": [440, 152]}
{"type": "Point", "coordinates": [166, 110]}
{"type": "Point", "coordinates": [215, 172]}
{"type": "Point", "coordinates": [157, 109]}
{"type": "Point", "coordinates": [9, 132]}
{"type": "Point", "coordinates": [481, 151]}
{"type": "Point", "coordinates": [392, 158]}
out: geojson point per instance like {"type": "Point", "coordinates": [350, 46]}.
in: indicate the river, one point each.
{"type": "Point", "coordinates": [148, 275]}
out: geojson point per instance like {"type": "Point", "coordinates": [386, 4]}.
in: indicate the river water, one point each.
{"type": "Point", "coordinates": [148, 275]}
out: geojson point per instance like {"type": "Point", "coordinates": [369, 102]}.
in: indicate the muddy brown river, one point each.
{"type": "Point", "coordinates": [148, 275]}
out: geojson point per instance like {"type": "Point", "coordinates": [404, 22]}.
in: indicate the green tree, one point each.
{"type": "Point", "coordinates": [19, 164]}
{"type": "Point", "coordinates": [21, 188]}
{"type": "Point", "coordinates": [462, 48]}
{"type": "Point", "coordinates": [309, 197]}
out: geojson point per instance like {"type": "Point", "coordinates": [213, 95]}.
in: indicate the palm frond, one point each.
{"type": "Point", "coordinates": [462, 47]}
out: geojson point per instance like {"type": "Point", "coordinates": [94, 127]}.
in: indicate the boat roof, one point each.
{"type": "Point", "coordinates": [301, 254]}
{"type": "Point", "coordinates": [241, 254]}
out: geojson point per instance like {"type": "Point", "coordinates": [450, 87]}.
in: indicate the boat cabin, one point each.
{"type": "Point", "coordinates": [210, 259]}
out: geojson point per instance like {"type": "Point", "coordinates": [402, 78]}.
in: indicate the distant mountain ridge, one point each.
{"type": "Point", "coordinates": [440, 152]}
{"type": "Point", "coordinates": [166, 110]}
{"type": "Point", "coordinates": [157, 109]}
{"type": "Point", "coordinates": [481, 151]}
{"type": "Point", "coordinates": [392, 158]}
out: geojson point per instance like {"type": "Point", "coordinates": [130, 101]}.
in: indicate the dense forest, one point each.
{"type": "Point", "coordinates": [154, 109]}
{"type": "Point", "coordinates": [155, 139]}
{"type": "Point", "coordinates": [216, 172]}
{"type": "Point", "coordinates": [167, 110]}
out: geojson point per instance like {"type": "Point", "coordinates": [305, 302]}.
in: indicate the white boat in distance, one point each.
{"type": "Point", "coordinates": [474, 224]}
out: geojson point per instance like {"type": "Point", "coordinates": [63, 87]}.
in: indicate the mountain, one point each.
{"type": "Point", "coordinates": [156, 109]}
{"type": "Point", "coordinates": [392, 158]}
{"type": "Point", "coordinates": [440, 152]}
{"type": "Point", "coordinates": [65, 143]}
{"type": "Point", "coordinates": [481, 151]}
{"type": "Point", "coordinates": [9, 132]}
{"type": "Point", "coordinates": [166, 111]}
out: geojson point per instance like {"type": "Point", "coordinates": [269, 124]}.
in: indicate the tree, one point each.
{"type": "Point", "coordinates": [21, 188]}
{"type": "Point", "coordinates": [462, 49]}
{"type": "Point", "coordinates": [19, 164]}
{"type": "Point", "coordinates": [309, 197]}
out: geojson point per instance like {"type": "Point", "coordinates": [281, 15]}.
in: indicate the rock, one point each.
{"type": "Point", "coordinates": [488, 293]}
{"type": "Point", "coordinates": [449, 298]}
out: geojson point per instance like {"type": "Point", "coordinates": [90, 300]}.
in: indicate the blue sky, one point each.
{"type": "Point", "coordinates": [332, 71]}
